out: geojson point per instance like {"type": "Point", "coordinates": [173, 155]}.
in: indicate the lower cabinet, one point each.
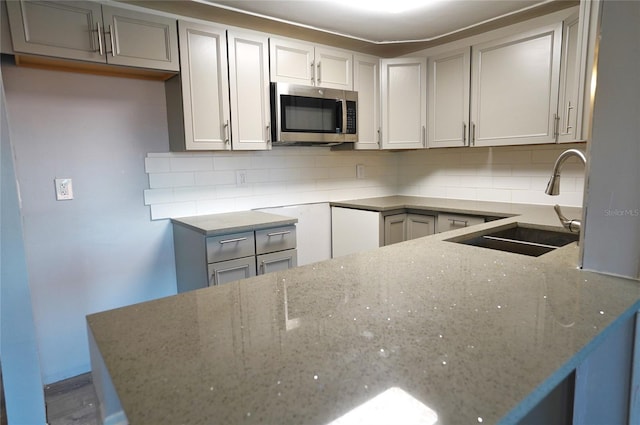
{"type": "Point", "coordinates": [277, 261]}
{"type": "Point", "coordinates": [228, 271]}
{"type": "Point", "coordinates": [203, 261]}
{"type": "Point", "coordinates": [407, 226]}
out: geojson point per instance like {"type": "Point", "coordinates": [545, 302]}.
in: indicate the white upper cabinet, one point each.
{"type": "Point", "coordinates": [448, 93]}
{"type": "Point", "coordinates": [514, 88]}
{"type": "Point", "coordinates": [198, 110]}
{"type": "Point", "coordinates": [88, 31]}
{"type": "Point", "coordinates": [569, 105]}
{"type": "Point", "coordinates": [249, 88]}
{"type": "Point", "coordinates": [366, 81]}
{"type": "Point", "coordinates": [404, 103]}
{"type": "Point", "coordinates": [303, 63]}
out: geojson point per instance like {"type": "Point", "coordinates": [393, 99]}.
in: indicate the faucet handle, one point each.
{"type": "Point", "coordinates": [571, 225]}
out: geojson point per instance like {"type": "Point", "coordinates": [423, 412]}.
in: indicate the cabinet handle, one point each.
{"type": "Point", "coordinates": [319, 72]}
{"type": "Point", "coordinates": [464, 134]}
{"type": "Point", "coordinates": [112, 37]}
{"type": "Point", "coordinates": [99, 31]}
{"type": "Point", "coordinates": [379, 136]}
{"type": "Point", "coordinates": [424, 136]}
{"type": "Point", "coordinates": [231, 240]}
{"type": "Point", "coordinates": [569, 108]}
{"type": "Point", "coordinates": [268, 134]}
{"type": "Point", "coordinates": [313, 72]}
{"type": "Point", "coordinates": [556, 125]}
{"type": "Point", "coordinates": [472, 141]}
{"type": "Point", "coordinates": [226, 132]}
{"type": "Point", "coordinates": [286, 232]}
{"type": "Point", "coordinates": [457, 220]}
{"type": "Point", "coordinates": [262, 266]}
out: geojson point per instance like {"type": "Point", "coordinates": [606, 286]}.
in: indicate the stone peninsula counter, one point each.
{"type": "Point", "coordinates": [468, 334]}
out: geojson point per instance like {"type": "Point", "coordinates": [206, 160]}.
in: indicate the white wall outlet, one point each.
{"type": "Point", "coordinates": [64, 189]}
{"type": "Point", "coordinates": [360, 171]}
{"type": "Point", "coordinates": [241, 178]}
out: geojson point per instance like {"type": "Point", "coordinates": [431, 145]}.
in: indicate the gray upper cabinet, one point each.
{"type": "Point", "coordinates": [514, 88]}
{"type": "Point", "coordinates": [569, 103]}
{"type": "Point", "coordinates": [198, 111]}
{"type": "Point", "coordinates": [88, 31]}
{"type": "Point", "coordinates": [448, 93]}
{"type": "Point", "coordinates": [249, 88]}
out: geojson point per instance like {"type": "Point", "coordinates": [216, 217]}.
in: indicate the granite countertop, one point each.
{"type": "Point", "coordinates": [476, 335]}
{"type": "Point", "coordinates": [241, 221]}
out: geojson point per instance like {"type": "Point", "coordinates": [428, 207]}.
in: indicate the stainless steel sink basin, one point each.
{"type": "Point", "coordinates": [519, 240]}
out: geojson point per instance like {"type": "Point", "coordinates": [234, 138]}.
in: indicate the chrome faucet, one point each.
{"type": "Point", "coordinates": [553, 188]}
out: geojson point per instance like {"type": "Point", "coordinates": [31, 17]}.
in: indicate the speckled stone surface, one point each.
{"type": "Point", "coordinates": [225, 223]}
{"type": "Point", "coordinates": [471, 333]}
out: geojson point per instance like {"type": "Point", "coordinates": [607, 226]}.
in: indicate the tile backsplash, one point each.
{"type": "Point", "coordinates": [184, 184]}
{"type": "Point", "coordinates": [517, 174]}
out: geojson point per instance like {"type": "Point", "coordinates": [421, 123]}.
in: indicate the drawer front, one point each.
{"type": "Point", "coordinates": [232, 270]}
{"type": "Point", "coordinates": [448, 222]}
{"type": "Point", "coordinates": [228, 247]}
{"type": "Point", "coordinates": [275, 239]}
{"type": "Point", "coordinates": [277, 261]}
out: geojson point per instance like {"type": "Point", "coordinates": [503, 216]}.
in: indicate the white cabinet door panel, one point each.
{"type": "Point", "coordinates": [334, 68]}
{"type": "Point", "coordinates": [366, 81]}
{"type": "Point", "coordinates": [140, 39]}
{"type": "Point", "coordinates": [63, 28]}
{"type": "Point", "coordinates": [404, 94]}
{"type": "Point", "coordinates": [448, 91]}
{"type": "Point", "coordinates": [568, 105]}
{"type": "Point", "coordinates": [515, 88]}
{"type": "Point", "coordinates": [205, 87]}
{"type": "Point", "coordinates": [291, 62]}
{"type": "Point", "coordinates": [249, 84]}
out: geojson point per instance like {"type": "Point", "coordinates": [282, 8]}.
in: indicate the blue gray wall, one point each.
{"type": "Point", "coordinates": [18, 347]}
{"type": "Point", "coordinates": [101, 250]}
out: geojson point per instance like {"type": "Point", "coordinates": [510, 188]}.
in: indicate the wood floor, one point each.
{"type": "Point", "coordinates": [72, 402]}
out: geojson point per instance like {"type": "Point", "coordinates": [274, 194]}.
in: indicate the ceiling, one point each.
{"type": "Point", "coordinates": [434, 19]}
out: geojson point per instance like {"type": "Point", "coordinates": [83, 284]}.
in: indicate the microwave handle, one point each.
{"type": "Point", "coordinates": [343, 125]}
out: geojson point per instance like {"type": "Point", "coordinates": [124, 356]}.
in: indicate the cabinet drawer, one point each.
{"type": "Point", "coordinates": [228, 247]}
{"type": "Point", "coordinates": [457, 221]}
{"type": "Point", "coordinates": [275, 239]}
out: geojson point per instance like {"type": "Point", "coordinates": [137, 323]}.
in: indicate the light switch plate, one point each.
{"type": "Point", "coordinates": [360, 171]}
{"type": "Point", "coordinates": [64, 189]}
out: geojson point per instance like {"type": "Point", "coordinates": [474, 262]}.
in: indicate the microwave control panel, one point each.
{"type": "Point", "coordinates": [350, 127]}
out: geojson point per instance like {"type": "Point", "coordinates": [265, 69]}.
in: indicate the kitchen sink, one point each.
{"type": "Point", "coordinates": [519, 240]}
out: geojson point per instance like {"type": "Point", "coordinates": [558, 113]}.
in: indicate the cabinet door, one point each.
{"type": "Point", "coordinates": [404, 103]}
{"type": "Point", "coordinates": [366, 81]}
{"type": "Point", "coordinates": [395, 228]}
{"type": "Point", "coordinates": [514, 88]}
{"type": "Point", "coordinates": [354, 231]}
{"type": "Point", "coordinates": [249, 85]}
{"type": "Point", "coordinates": [65, 29]}
{"type": "Point", "coordinates": [448, 92]}
{"type": "Point", "coordinates": [333, 68]}
{"type": "Point", "coordinates": [205, 87]}
{"type": "Point", "coordinates": [232, 270]}
{"type": "Point", "coordinates": [277, 261]}
{"type": "Point", "coordinates": [568, 107]}
{"type": "Point", "coordinates": [291, 62]}
{"type": "Point", "coordinates": [139, 39]}
{"type": "Point", "coordinates": [419, 225]}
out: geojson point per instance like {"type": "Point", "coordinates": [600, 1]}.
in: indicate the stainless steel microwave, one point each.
{"type": "Point", "coordinates": [303, 115]}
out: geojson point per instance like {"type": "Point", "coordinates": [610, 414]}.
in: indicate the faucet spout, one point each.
{"type": "Point", "coordinates": [553, 187]}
